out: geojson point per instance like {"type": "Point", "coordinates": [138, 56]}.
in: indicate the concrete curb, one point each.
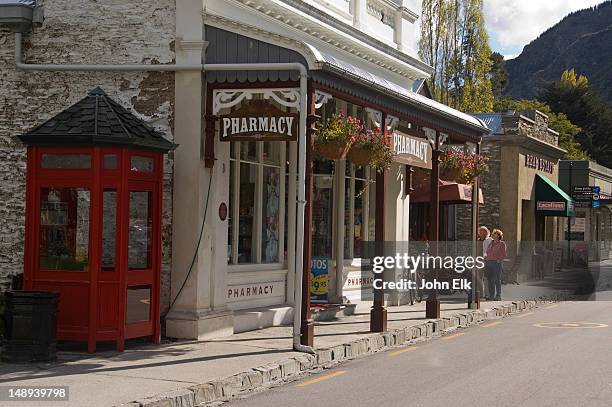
{"type": "Point", "coordinates": [293, 368]}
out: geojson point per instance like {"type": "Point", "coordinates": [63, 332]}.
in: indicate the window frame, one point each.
{"type": "Point", "coordinates": [235, 161]}
{"type": "Point", "coordinates": [349, 258]}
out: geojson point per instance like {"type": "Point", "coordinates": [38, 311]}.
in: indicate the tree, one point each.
{"type": "Point", "coordinates": [573, 96]}
{"type": "Point", "coordinates": [498, 75]}
{"type": "Point", "coordinates": [556, 121]}
{"type": "Point", "coordinates": [455, 43]}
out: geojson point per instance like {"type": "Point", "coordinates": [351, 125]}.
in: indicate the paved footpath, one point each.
{"type": "Point", "coordinates": [188, 373]}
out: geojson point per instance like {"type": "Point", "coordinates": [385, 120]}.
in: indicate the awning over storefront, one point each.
{"type": "Point", "coordinates": [550, 199]}
{"type": "Point", "coordinates": [334, 73]}
{"type": "Point", "coordinates": [330, 63]}
{"type": "Point", "coordinates": [451, 193]}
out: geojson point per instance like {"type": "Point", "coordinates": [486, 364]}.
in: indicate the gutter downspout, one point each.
{"type": "Point", "coordinates": [301, 202]}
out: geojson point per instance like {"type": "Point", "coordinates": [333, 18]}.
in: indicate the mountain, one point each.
{"type": "Point", "coordinates": [582, 40]}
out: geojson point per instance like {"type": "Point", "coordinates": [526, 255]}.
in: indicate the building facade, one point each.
{"type": "Point", "coordinates": [591, 229]}
{"type": "Point", "coordinates": [523, 159]}
{"type": "Point", "coordinates": [231, 245]}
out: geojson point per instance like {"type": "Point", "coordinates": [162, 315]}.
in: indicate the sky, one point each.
{"type": "Point", "coordinates": [512, 24]}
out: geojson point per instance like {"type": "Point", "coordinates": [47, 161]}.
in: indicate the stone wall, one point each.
{"type": "Point", "coordinates": [77, 32]}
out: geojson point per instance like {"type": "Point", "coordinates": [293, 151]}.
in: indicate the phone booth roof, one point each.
{"type": "Point", "coordinates": [97, 120]}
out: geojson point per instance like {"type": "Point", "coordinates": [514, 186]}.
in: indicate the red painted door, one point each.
{"type": "Point", "coordinates": [142, 259]}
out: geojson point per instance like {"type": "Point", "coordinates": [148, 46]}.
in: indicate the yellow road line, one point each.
{"type": "Point", "coordinates": [579, 325]}
{"type": "Point", "coordinates": [399, 352]}
{"type": "Point", "coordinates": [524, 315]}
{"type": "Point", "coordinates": [453, 336]}
{"type": "Point", "coordinates": [552, 306]}
{"type": "Point", "coordinates": [490, 324]}
{"type": "Point", "coordinates": [321, 378]}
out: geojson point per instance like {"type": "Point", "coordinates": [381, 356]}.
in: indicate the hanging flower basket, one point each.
{"type": "Point", "coordinates": [452, 174]}
{"type": "Point", "coordinates": [335, 137]}
{"type": "Point", "coordinates": [372, 148]}
{"type": "Point", "coordinates": [461, 167]}
{"type": "Point", "coordinates": [332, 150]}
{"type": "Point", "coordinates": [359, 155]}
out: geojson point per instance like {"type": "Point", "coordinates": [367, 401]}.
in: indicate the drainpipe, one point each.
{"type": "Point", "coordinates": [289, 66]}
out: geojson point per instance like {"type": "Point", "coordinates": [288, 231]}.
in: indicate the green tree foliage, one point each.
{"type": "Point", "coordinates": [455, 42]}
{"type": "Point", "coordinates": [556, 121]}
{"type": "Point", "coordinates": [498, 75]}
{"type": "Point", "coordinates": [573, 96]}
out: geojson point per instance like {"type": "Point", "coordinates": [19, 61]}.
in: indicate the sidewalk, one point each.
{"type": "Point", "coordinates": [221, 368]}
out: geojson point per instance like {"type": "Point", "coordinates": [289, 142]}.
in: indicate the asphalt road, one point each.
{"type": "Point", "coordinates": [506, 362]}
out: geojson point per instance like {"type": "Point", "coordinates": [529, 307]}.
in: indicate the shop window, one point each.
{"type": "Point", "coordinates": [270, 208]}
{"type": "Point", "coordinates": [142, 164]}
{"type": "Point", "coordinates": [109, 229]}
{"type": "Point", "coordinates": [246, 214]}
{"type": "Point", "coordinates": [64, 229]}
{"type": "Point", "coordinates": [371, 225]}
{"type": "Point", "coordinates": [66, 161]}
{"type": "Point", "coordinates": [359, 209]}
{"type": "Point", "coordinates": [138, 307]}
{"type": "Point", "coordinates": [256, 212]}
{"type": "Point", "coordinates": [140, 223]}
{"type": "Point", "coordinates": [322, 209]}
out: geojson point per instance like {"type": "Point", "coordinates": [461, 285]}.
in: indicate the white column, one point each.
{"type": "Point", "coordinates": [198, 312]}
{"type": "Point", "coordinates": [359, 9]}
{"type": "Point", "coordinates": [398, 29]}
{"type": "Point", "coordinates": [335, 289]}
{"type": "Point", "coordinates": [291, 216]}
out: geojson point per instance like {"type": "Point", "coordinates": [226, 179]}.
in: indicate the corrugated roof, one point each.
{"type": "Point", "coordinates": [493, 121]}
{"type": "Point", "coordinates": [97, 120]}
{"type": "Point", "coordinates": [403, 92]}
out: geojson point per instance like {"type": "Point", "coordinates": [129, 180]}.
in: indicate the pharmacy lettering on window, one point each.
{"type": "Point", "coordinates": [258, 120]}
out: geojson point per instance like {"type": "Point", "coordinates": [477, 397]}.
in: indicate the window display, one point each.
{"type": "Point", "coordinates": [246, 205]}
{"type": "Point", "coordinates": [256, 213]}
{"type": "Point", "coordinates": [359, 210]}
{"type": "Point", "coordinates": [270, 208]}
{"type": "Point", "coordinates": [322, 208]}
{"type": "Point", "coordinates": [322, 216]}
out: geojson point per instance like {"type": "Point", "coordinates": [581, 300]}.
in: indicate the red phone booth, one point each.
{"type": "Point", "coordinates": [93, 220]}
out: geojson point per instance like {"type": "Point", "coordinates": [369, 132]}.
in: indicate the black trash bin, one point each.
{"type": "Point", "coordinates": [30, 322]}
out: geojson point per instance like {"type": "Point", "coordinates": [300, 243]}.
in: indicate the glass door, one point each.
{"type": "Point", "coordinates": [141, 260]}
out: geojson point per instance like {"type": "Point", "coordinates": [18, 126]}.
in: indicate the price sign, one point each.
{"type": "Point", "coordinates": [319, 286]}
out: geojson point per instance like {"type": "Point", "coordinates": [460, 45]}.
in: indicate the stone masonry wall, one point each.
{"type": "Point", "coordinates": [78, 32]}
